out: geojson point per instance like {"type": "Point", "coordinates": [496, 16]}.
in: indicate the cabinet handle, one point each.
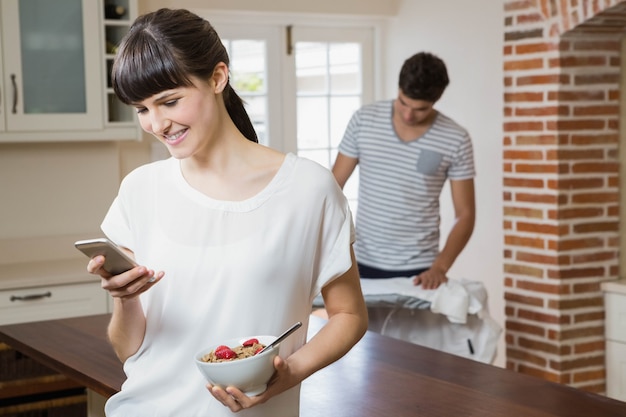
{"type": "Point", "coordinates": [14, 93]}
{"type": "Point", "coordinates": [30, 297]}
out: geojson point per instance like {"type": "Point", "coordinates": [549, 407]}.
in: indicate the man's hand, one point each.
{"type": "Point", "coordinates": [431, 279]}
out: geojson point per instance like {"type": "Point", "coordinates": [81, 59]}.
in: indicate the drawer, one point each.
{"type": "Point", "coordinates": [616, 370]}
{"type": "Point", "coordinates": [52, 302]}
{"type": "Point", "coordinates": [615, 305]}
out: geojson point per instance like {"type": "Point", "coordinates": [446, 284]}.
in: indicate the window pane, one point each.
{"type": "Point", "coordinates": [341, 109]}
{"type": "Point", "coordinates": [248, 76]}
{"type": "Point", "coordinates": [312, 123]}
{"type": "Point", "coordinates": [52, 56]}
{"type": "Point", "coordinates": [329, 91]}
{"type": "Point", "coordinates": [311, 67]}
{"type": "Point", "coordinates": [247, 62]}
{"type": "Point", "coordinates": [345, 64]}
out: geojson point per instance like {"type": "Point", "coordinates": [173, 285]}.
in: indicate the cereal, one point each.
{"type": "Point", "coordinates": [223, 353]}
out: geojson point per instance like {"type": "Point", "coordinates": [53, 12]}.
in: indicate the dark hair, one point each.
{"type": "Point", "coordinates": [423, 77]}
{"type": "Point", "coordinates": [163, 50]}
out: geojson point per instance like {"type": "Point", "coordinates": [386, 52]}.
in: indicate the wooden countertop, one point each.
{"type": "Point", "coordinates": [380, 376]}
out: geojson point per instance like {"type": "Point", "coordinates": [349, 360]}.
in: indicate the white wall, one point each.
{"type": "Point", "coordinates": [468, 36]}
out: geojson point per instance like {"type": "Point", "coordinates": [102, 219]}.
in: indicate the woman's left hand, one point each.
{"type": "Point", "coordinates": [235, 400]}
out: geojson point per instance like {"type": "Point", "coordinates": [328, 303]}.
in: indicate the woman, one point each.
{"type": "Point", "coordinates": [233, 238]}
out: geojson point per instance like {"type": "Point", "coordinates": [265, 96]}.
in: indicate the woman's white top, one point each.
{"type": "Point", "coordinates": [232, 268]}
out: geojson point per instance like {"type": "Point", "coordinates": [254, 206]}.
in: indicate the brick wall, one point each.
{"type": "Point", "coordinates": [561, 183]}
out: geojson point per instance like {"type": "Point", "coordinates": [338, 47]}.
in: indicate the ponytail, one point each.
{"type": "Point", "coordinates": [237, 112]}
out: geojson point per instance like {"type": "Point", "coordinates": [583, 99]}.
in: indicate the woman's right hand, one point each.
{"type": "Point", "coordinates": [129, 284]}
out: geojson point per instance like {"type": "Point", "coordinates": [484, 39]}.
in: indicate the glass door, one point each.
{"type": "Point", "coordinates": [255, 75]}
{"type": "Point", "coordinates": [51, 59]}
{"type": "Point", "coordinates": [334, 77]}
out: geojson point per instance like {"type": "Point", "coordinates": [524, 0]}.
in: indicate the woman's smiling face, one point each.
{"type": "Point", "coordinates": [184, 118]}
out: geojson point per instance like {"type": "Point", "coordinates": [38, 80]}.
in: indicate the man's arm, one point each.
{"type": "Point", "coordinates": [464, 218]}
{"type": "Point", "coordinates": [343, 168]}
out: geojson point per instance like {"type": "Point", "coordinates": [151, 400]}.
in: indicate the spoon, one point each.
{"type": "Point", "coordinates": [281, 337]}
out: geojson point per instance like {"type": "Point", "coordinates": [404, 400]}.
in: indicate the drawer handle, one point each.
{"type": "Point", "coordinates": [30, 297]}
{"type": "Point", "coordinates": [14, 93]}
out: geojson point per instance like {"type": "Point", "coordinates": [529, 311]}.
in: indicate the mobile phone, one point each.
{"type": "Point", "coordinates": [115, 260]}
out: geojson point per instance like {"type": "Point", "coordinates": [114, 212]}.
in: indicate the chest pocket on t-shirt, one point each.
{"type": "Point", "coordinates": [428, 162]}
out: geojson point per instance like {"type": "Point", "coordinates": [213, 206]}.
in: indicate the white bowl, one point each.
{"type": "Point", "coordinates": [250, 375]}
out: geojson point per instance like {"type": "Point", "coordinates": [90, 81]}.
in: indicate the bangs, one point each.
{"type": "Point", "coordinates": [144, 68]}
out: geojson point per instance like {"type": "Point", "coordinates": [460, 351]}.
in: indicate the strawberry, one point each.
{"type": "Point", "coordinates": [250, 342]}
{"type": "Point", "coordinates": [224, 352]}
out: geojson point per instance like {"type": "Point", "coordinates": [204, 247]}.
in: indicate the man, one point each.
{"type": "Point", "coordinates": [406, 150]}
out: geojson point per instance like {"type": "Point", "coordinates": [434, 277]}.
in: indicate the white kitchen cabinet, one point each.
{"type": "Point", "coordinates": [52, 302]}
{"type": "Point", "coordinates": [615, 330]}
{"type": "Point", "coordinates": [47, 290]}
{"type": "Point", "coordinates": [51, 71]}
{"type": "Point", "coordinates": [54, 72]}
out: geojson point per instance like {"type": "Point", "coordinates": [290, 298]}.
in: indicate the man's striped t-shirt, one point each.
{"type": "Point", "coordinates": [398, 213]}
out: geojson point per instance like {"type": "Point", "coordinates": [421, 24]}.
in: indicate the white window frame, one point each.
{"type": "Point", "coordinates": [274, 39]}
{"type": "Point", "coordinates": [363, 36]}
{"type": "Point", "coordinates": [281, 90]}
